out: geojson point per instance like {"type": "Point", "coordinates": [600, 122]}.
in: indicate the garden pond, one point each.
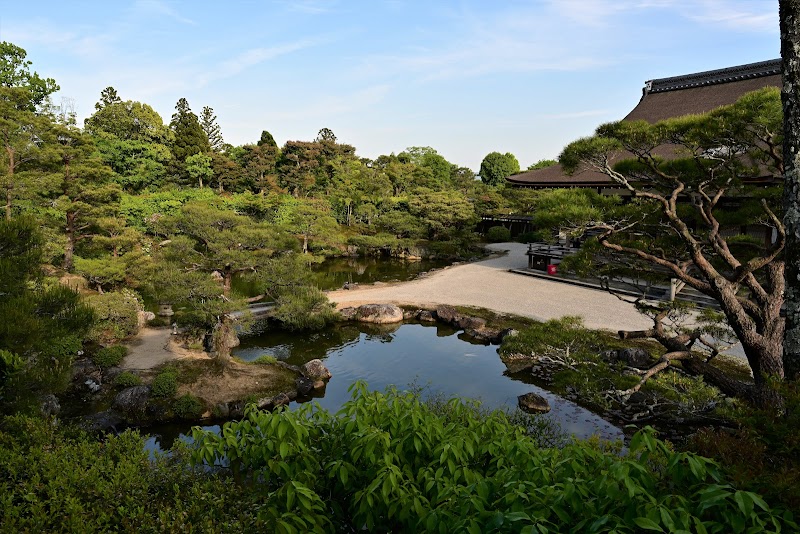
{"type": "Point", "coordinates": [433, 358]}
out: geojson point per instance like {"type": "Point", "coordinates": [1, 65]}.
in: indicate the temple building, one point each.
{"type": "Point", "coordinates": [663, 99]}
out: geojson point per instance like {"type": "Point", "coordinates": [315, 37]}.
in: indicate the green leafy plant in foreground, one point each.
{"type": "Point", "coordinates": [387, 462]}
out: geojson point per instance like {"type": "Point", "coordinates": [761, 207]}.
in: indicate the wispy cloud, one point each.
{"type": "Point", "coordinates": [741, 16]}
{"type": "Point", "coordinates": [250, 58]}
{"type": "Point", "coordinates": [329, 106]}
{"type": "Point", "coordinates": [160, 8]}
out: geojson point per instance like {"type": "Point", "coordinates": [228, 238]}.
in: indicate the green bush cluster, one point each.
{"type": "Point", "coordinates": [59, 480]}
{"type": "Point", "coordinates": [304, 308]}
{"type": "Point", "coordinates": [126, 379]}
{"type": "Point", "coordinates": [116, 316]}
{"type": "Point", "coordinates": [110, 356]}
{"type": "Point", "coordinates": [498, 234]}
{"type": "Point", "coordinates": [386, 462]}
{"type": "Point", "coordinates": [165, 384]}
{"type": "Point", "coordinates": [188, 407]}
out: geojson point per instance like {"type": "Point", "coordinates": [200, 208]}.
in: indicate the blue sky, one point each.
{"type": "Point", "coordinates": [465, 77]}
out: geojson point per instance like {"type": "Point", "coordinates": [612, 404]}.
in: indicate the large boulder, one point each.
{"type": "Point", "coordinates": [132, 400]}
{"type": "Point", "coordinates": [533, 403]}
{"type": "Point", "coordinates": [144, 317]}
{"type": "Point", "coordinates": [315, 370]}
{"type": "Point", "coordinates": [379, 314]}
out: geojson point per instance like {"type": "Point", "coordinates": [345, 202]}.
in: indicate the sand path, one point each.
{"type": "Point", "coordinates": [154, 346]}
{"type": "Point", "coordinates": [488, 284]}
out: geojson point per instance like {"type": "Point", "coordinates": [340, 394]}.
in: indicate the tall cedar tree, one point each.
{"type": "Point", "coordinates": [190, 139]}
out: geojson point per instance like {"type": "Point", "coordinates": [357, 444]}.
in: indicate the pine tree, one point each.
{"type": "Point", "coordinates": [208, 121]}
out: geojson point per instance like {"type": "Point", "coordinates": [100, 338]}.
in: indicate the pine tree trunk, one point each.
{"type": "Point", "coordinates": [10, 180]}
{"type": "Point", "coordinates": [69, 250]}
{"type": "Point", "coordinates": [789, 11]}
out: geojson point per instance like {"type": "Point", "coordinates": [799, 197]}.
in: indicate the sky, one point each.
{"type": "Point", "coordinates": [464, 77]}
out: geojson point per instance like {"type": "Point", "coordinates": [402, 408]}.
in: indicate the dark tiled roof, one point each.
{"type": "Point", "coordinates": [666, 98]}
{"type": "Point", "coordinates": [714, 77]}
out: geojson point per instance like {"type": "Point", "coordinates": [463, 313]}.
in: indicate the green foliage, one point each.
{"type": "Point", "coordinates": [15, 72]}
{"type": "Point", "coordinates": [496, 167]}
{"type": "Point", "coordinates": [117, 316]}
{"type": "Point", "coordinates": [764, 452]}
{"type": "Point", "coordinates": [198, 166]}
{"type": "Point", "coordinates": [542, 164]}
{"type": "Point", "coordinates": [388, 462]}
{"type": "Point", "coordinates": [498, 234]}
{"type": "Point", "coordinates": [188, 407]}
{"type": "Point", "coordinates": [165, 384]}
{"type": "Point", "coordinates": [189, 137]}
{"type": "Point", "coordinates": [126, 379]}
{"type": "Point", "coordinates": [55, 479]}
{"type": "Point", "coordinates": [572, 209]}
{"type": "Point", "coordinates": [265, 359]}
{"type": "Point", "coordinates": [304, 308]}
{"type": "Point", "coordinates": [110, 356]}
{"type": "Point", "coordinates": [42, 328]}
{"type": "Point", "coordinates": [445, 213]}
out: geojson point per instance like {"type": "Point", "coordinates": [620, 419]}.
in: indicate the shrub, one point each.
{"type": "Point", "coordinates": [387, 462]}
{"type": "Point", "coordinates": [165, 384]}
{"type": "Point", "coordinates": [188, 407]}
{"type": "Point", "coordinates": [55, 479]}
{"type": "Point", "coordinates": [265, 359]}
{"type": "Point", "coordinates": [304, 308]}
{"type": "Point", "coordinates": [116, 316]}
{"type": "Point", "coordinates": [498, 234]}
{"type": "Point", "coordinates": [110, 356]}
{"type": "Point", "coordinates": [126, 379]}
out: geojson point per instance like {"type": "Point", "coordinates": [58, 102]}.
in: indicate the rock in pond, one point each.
{"type": "Point", "coordinates": [379, 314]}
{"type": "Point", "coordinates": [304, 385]}
{"type": "Point", "coordinates": [533, 403]}
{"type": "Point", "coordinates": [315, 370]}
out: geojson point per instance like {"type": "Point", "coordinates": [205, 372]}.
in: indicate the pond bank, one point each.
{"type": "Point", "coordinates": [489, 284]}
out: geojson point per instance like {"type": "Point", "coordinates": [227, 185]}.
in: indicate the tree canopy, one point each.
{"type": "Point", "coordinates": [496, 167]}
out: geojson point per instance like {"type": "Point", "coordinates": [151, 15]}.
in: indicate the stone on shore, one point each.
{"type": "Point", "coordinates": [379, 314]}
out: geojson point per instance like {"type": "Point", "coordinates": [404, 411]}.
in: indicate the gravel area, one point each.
{"type": "Point", "coordinates": [488, 284]}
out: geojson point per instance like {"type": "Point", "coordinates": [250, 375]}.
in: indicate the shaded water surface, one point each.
{"type": "Point", "coordinates": [435, 357]}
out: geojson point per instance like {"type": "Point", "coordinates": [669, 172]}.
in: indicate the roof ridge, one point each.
{"type": "Point", "coordinates": [712, 77]}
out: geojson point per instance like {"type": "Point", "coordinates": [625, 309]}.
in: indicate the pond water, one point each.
{"type": "Point", "coordinates": [434, 357]}
{"type": "Point", "coordinates": [334, 273]}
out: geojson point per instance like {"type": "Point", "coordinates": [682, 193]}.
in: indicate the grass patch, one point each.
{"type": "Point", "coordinates": [264, 359]}
{"type": "Point", "coordinates": [493, 319]}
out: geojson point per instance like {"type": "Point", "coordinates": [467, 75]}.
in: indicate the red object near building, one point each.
{"type": "Point", "coordinates": [552, 269]}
